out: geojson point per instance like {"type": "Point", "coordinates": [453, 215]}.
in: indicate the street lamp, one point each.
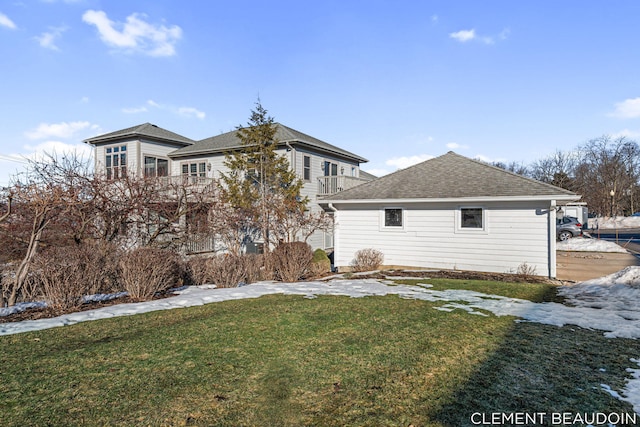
{"type": "Point", "coordinates": [612, 193]}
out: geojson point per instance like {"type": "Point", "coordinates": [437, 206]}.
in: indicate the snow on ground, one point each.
{"type": "Point", "coordinates": [580, 244]}
{"type": "Point", "coordinates": [615, 222]}
{"type": "Point", "coordinates": [610, 304]}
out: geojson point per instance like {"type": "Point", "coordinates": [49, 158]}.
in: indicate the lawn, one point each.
{"type": "Point", "coordinates": [286, 360]}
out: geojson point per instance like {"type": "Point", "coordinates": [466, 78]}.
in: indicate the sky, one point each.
{"type": "Point", "coordinates": [396, 82]}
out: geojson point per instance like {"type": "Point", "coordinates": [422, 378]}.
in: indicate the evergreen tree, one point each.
{"type": "Point", "coordinates": [260, 183]}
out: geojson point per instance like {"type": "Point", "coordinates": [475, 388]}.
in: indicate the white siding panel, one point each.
{"type": "Point", "coordinates": [515, 233]}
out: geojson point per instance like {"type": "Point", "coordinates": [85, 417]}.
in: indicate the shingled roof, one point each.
{"type": "Point", "coordinates": [229, 141]}
{"type": "Point", "coordinates": [147, 130]}
{"type": "Point", "coordinates": [452, 176]}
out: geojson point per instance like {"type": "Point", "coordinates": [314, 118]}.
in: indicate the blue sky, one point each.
{"type": "Point", "coordinates": [393, 81]}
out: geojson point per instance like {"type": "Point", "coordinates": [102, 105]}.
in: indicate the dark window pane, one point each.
{"type": "Point", "coordinates": [393, 217]}
{"type": "Point", "coordinates": [471, 218]}
{"type": "Point", "coordinates": [185, 169]}
{"type": "Point", "coordinates": [163, 167]}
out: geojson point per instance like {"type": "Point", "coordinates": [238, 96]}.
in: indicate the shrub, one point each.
{"type": "Point", "coordinates": [367, 260]}
{"type": "Point", "coordinates": [147, 271]}
{"type": "Point", "coordinates": [198, 270]}
{"type": "Point", "coordinates": [526, 271]}
{"type": "Point", "coordinates": [291, 260]}
{"type": "Point", "coordinates": [257, 267]}
{"type": "Point", "coordinates": [226, 270]}
{"type": "Point", "coordinates": [66, 274]}
{"type": "Point", "coordinates": [321, 264]}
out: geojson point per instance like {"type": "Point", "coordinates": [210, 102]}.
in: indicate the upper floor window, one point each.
{"type": "Point", "coordinates": [116, 161]}
{"type": "Point", "coordinates": [307, 168]}
{"type": "Point", "coordinates": [154, 167]}
{"type": "Point", "coordinates": [330, 169]}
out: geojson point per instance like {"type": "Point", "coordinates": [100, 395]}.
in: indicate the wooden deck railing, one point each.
{"type": "Point", "coordinates": [328, 185]}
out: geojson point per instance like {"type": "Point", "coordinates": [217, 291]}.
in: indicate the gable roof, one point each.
{"type": "Point", "coordinates": [147, 130]}
{"type": "Point", "coordinates": [229, 141]}
{"type": "Point", "coordinates": [452, 176]}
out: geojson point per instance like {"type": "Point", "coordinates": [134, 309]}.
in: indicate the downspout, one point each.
{"type": "Point", "coordinates": [552, 240]}
{"type": "Point", "coordinates": [292, 162]}
{"type": "Point", "coordinates": [335, 235]}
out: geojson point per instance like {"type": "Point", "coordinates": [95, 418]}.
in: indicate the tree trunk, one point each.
{"type": "Point", "coordinates": [39, 224]}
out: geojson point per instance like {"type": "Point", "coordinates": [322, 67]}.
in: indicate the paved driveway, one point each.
{"type": "Point", "coordinates": [581, 266]}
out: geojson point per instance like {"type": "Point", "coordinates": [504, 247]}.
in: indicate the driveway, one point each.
{"type": "Point", "coordinates": [581, 266]}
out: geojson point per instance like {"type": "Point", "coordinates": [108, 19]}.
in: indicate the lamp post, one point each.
{"type": "Point", "coordinates": [612, 193]}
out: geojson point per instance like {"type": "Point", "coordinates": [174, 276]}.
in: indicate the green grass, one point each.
{"type": "Point", "coordinates": [285, 360]}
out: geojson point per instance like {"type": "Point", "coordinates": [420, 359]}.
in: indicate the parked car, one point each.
{"type": "Point", "coordinates": [568, 227]}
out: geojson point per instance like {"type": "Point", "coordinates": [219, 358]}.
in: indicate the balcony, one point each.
{"type": "Point", "coordinates": [329, 185]}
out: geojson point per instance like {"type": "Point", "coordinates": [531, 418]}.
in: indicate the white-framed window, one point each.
{"type": "Point", "coordinates": [193, 172]}
{"type": "Point", "coordinates": [154, 167]}
{"type": "Point", "coordinates": [116, 161]}
{"type": "Point", "coordinates": [306, 168]}
{"type": "Point", "coordinates": [392, 218]}
{"type": "Point", "coordinates": [471, 219]}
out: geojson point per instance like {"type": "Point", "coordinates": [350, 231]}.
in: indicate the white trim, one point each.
{"type": "Point", "coordinates": [466, 230]}
{"type": "Point", "coordinates": [454, 200]}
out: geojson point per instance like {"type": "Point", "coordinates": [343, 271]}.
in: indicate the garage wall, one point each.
{"type": "Point", "coordinates": [514, 233]}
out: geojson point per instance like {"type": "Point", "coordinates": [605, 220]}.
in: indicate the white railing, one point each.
{"type": "Point", "coordinates": [328, 185]}
{"type": "Point", "coordinates": [199, 244]}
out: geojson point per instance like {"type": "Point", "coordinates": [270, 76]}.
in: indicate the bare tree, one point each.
{"type": "Point", "coordinates": [51, 189]}
{"type": "Point", "coordinates": [607, 174]}
{"type": "Point", "coordinates": [8, 212]}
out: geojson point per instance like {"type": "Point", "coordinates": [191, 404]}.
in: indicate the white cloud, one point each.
{"type": "Point", "coordinates": [6, 22]}
{"type": "Point", "coordinates": [487, 159]}
{"type": "Point", "coordinates": [48, 39]}
{"type": "Point", "coordinates": [455, 146]}
{"type": "Point", "coordinates": [626, 133]}
{"type": "Point", "coordinates": [134, 110]}
{"type": "Point", "coordinates": [627, 109]}
{"type": "Point", "coordinates": [135, 35]}
{"type": "Point", "coordinates": [191, 112]}
{"type": "Point", "coordinates": [434, 19]}
{"type": "Point", "coordinates": [406, 161]}
{"type": "Point", "coordinates": [464, 35]}
{"type": "Point", "coordinates": [84, 100]}
{"type": "Point", "coordinates": [57, 148]}
{"type": "Point", "coordinates": [181, 111]}
{"type": "Point", "coordinates": [58, 130]}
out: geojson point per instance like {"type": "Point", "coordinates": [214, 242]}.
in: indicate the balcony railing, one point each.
{"type": "Point", "coordinates": [328, 185]}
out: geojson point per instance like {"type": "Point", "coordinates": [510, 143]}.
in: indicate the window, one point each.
{"type": "Point", "coordinates": [193, 171]}
{"type": "Point", "coordinates": [307, 168]}
{"type": "Point", "coordinates": [116, 161]}
{"type": "Point", "coordinates": [154, 167]}
{"type": "Point", "coordinates": [353, 171]}
{"type": "Point", "coordinates": [393, 217]}
{"type": "Point", "coordinates": [471, 218]}
{"type": "Point", "coordinates": [330, 169]}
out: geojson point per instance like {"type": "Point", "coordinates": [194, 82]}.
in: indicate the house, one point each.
{"type": "Point", "coordinates": [450, 212]}
{"type": "Point", "coordinates": [150, 151]}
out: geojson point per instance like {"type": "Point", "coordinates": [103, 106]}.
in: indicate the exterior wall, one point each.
{"type": "Point", "coordinates": [136, 150]}
{"type": "Point", "coordinates": [514, 233]}
{"type": "Point", "coordinates": [319, 239]}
